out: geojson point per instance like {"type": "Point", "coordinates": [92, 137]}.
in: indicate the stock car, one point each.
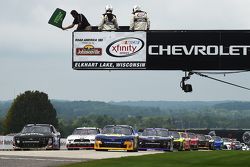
{"type": "Point", "coordinates": [236, 145]}
{"type": "Point", "coordinates": [155, 138]}
{"type": "Point", "coordinates": [180, 142]}
{"type": "Point", "coordinates": [203, 142]}
{"type": "Point", "coordinates": [117, 137]}
{"type": "Point", "coordinates": [210, 140]}
{"type": "Point", "coordinates": [82, 138]}
{"type": "Point", "coordinates": [217, 143]}
{"type": "Point", "coordinates": [37, 136]}
{"type": "Point", "coordinates": [227, 143]}
{"type": "Point", "coordinates": [194, 141]}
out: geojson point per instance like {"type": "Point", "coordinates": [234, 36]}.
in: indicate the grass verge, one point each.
{"type": "Point", "coordinates": [176, 159]}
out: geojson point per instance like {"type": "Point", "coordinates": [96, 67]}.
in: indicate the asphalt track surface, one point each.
{"type": "Point", "coordinates": [56, 158]}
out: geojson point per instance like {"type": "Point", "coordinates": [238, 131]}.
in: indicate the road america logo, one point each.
{"type": "Point", "coordinates": [88, 50]}
{"type": "Point", "coordinates": [125, 47]}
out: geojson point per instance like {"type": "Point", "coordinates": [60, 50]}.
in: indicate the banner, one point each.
{"type": "Point", "coordinates": [162, 50]}
{"type": "Point", "coordinates": [57, 18]}
{"type": "Point", "coordinates": [109, 50]}
{"type": "Point", "coordinates": [198, 50]}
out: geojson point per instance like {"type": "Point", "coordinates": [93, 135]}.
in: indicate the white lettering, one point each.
{"type": "Point", "coordinates": [210, 50]}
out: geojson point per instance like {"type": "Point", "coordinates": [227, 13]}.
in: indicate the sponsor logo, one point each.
{"type": "Point", "coordinates": [125, 47]}
{"type": "Point", "coordinates": [88, 50]}
{"type": "Point", "coordinates": [210, 50]}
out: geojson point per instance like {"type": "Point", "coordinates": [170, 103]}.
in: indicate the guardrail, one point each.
{"type": "Point", "coordinates": [6, 143]}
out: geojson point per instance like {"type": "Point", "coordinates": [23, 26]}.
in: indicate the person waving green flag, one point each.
{"type": "Point", "coordinates": [57, 18]}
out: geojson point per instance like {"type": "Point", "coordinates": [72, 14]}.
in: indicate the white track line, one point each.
{"type": "Point", "coordinates": [39, 159]}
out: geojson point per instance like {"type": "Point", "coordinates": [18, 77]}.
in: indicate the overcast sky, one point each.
{"type": "Point", "coordinates": [37, 56]}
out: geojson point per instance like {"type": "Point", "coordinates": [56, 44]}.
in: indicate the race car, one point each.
{"type": "Point", "coordinates": [236, 145]}
{"type": "Point", "coordinates": [82, 138]}
{"type": "Point", "coordinates": [117, 137]}
{"type": "Point", "coordinates": [156, 138]}
{"type": "Point", "coordinates": [181, 142]}
{"type": "Point", "coordinates": [227, 143]}
{"type": "Point", "coordinates": [217, 143]}
{"type": "Point", "coordinates": [210, 141]}
{"type": "Point", "coordinates": [194, 141]}
{"type": "Point", "coordinates": [37, 136]}
{"type": "Point", "coordinates": [203, 142]}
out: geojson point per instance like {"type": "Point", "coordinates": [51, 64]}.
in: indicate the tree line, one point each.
{"type": "Point", "coordinates": [35, 107]}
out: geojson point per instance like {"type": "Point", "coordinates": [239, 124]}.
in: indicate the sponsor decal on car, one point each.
{"type": "Point", "coordinates": [125, 47]}
{"type": "Point", "coordinates": [88, 50]}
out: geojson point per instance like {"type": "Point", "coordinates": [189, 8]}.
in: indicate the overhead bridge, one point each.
{"type": "Point", "coordinates": [161, 50]}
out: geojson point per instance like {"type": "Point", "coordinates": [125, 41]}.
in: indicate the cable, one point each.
{"type": "Point", "coordinates": [203, 75]}
{"type": "Point", "coordinates": [224, 73]}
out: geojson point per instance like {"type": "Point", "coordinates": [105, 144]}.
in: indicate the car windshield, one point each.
{"type": "Point", "coordinates": [183, 135]}
{"type": "Point", "coordinates": [201, 137]}
{"type": "Point", "coordinates": [208, 137]}
{"type": "Point", "coordinates": [149, 132]}
{"type": "Point", "coordinates": [36, 129]}
{"type": "Point", "coordinates": [176, 135]}
{"type": "Point", "coordinates": [217, 138]}
{"type": "Point", "coordinates": [162, 132]}
{"type": "Point", "coordinates": [192, 136]}
{"type": "Point", "coordinates": [85, 132]}
{"type": "Point", "coordinates": [226, 140]}
{"type": "Point", "coordinates": [237, 143]}
{"type": "Point", "coordinates": [117, 130]}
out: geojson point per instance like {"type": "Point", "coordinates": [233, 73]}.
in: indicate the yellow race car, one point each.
{"type": "Point", "coordinates": [117, 137]}
{"type": "Point", "coordinates": [181, 141]}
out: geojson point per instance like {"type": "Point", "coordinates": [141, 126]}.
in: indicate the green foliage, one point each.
{"type": "Point", "coordinates": [1, 127]}
{"type": "Point", "coordinates": [138, 122]}
{"type": "Point", "coordinates": [29, 107]}
{"type": "Point", "coordinates": [143, 114]}
{"type": "Point", "coordinates": [70, 110]}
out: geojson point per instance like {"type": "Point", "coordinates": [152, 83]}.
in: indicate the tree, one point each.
{"type": "Point", "coordinates": [1, 126]}
{"type": "Point", "coordinates": [30, 107]}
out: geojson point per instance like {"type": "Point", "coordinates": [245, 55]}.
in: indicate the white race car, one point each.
{"type": "Point", "coordinates": [244, 147]}
{"type": "Point", "coordinates": [82, 138]}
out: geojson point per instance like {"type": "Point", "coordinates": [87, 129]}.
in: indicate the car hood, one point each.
{"type": "Point", "coordinates": [154, 138]}
{"type": "Point", "coordinates": [33, 135]}
{"type": "Point", "coordinates": [114, 136]}
{"type": "Point", "coordinates": [218, 141]}
{"type": "Point", "coordinates": [81, 137]}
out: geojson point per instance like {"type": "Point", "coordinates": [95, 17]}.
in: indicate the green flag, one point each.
{"type": "Point", "coordinates": [57, 18]}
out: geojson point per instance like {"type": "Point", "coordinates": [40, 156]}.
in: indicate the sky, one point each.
{"type": "Point", "coordinates": [37, 56]}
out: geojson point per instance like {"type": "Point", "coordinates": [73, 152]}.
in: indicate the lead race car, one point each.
{"type": "Point", "coordinates": [37, 136]}
{"type": "Point", "coordinates": [117, 137]}
{"type": "Point", "coordinates": [156, 139]}
{"type": "Point", "coordinates": [82, 138]}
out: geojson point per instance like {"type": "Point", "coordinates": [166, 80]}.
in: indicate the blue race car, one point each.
{"type": "Point", "coordinates": [117, 137]}
{"type": "Point", "coordinates": [156, 139]}
{"type": "Point", "coordinates": [217, 143]}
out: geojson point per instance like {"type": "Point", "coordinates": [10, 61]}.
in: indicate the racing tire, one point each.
{"type": "Point", "coordinates": [102, 150]}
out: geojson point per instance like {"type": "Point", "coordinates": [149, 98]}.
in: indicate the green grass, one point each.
{"type": "Point", "coordinates": [176, 159]}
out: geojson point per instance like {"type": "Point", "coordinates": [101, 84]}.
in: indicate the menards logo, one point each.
{"type": "Point", "coordinates": [88, 50]}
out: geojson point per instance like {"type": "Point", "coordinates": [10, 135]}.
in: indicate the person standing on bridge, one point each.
{"type": "Point", "coordinates": [80, 20]}
{"type": "Point", "coordinates": [139, 20]}
{"type": "Point", "coordinates": [109, 20]}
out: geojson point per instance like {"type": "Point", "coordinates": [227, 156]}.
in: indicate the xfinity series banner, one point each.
{"type": "Point", "coordinates": [109, 50]}
{"type": "Point", "coordinates": [162, 50]}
